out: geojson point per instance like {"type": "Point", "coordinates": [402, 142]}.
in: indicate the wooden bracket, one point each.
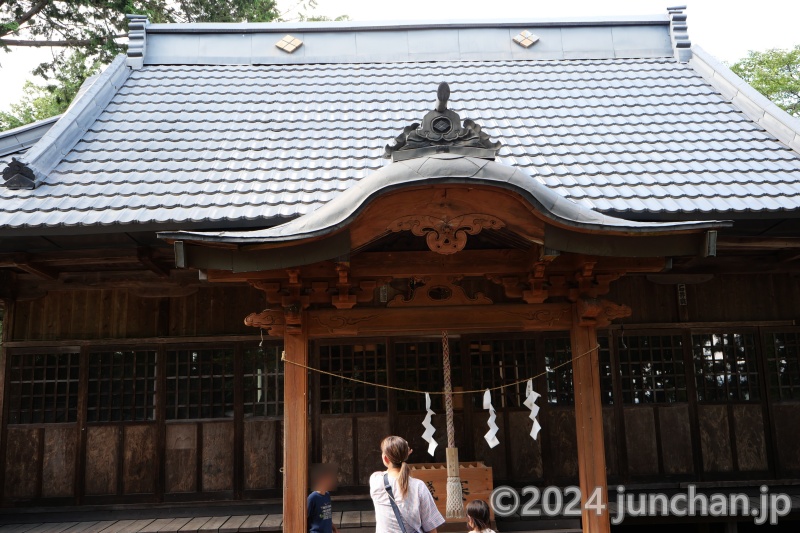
{"type": "Point", "coordinates": [22, 262]}
{"type": "Point", "coordinates": [272, 290]}
{"type": "Point", "coordinates": [593, 312]}
{"type": "Point", "coordinates": [512, 286]}
{"type": "Point", "coordinates": [272, 321]}
{"type": "Point", "coordinates": [438, 291]}
{"type": "Point", "coordinates": [343, 299]}
{"type": "Point", "coordinates": [145, 257]}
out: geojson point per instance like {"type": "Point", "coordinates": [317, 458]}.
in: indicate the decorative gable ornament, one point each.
{"type": "Point", "coordinates": [442, 131]}
{"type": "Point", "coordinates": [526, 39]}
{"type": "Point", "coordinates": [289, 44]}
{"type": "Point", "coordinates": [18, 175]}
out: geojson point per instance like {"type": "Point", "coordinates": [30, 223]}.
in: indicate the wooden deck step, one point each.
{"type": "Point", "coordinates": [347, 521]}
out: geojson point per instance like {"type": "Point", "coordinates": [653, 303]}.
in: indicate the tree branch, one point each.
{"type": "Point", "coordinates": [25, 17]}
{"type": "Point", "coordinates": [32, 12]}
{"type": "Point", "coordinates": [66, 42]}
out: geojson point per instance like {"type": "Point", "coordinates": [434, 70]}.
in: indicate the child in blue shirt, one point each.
{"type": "Point", "coordinates": [320, 512]}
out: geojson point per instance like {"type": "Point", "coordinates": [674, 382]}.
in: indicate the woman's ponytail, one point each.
{"type": "Point", "coordinates": [397, 451]}
{"type": "Point", "coordinates": [402, 481]}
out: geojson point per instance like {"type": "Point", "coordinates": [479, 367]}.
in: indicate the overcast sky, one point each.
{"type": "Point", "coordinates": [726, 28]}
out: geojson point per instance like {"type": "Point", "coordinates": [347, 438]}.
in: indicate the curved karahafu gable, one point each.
{"type": "Point", "coordinates": [449, 196]}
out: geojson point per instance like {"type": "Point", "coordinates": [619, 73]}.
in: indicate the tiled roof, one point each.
{"type": "Point", "coordinates": [15, 142]}
{"type": "Point", "coordinates": [244, 145]}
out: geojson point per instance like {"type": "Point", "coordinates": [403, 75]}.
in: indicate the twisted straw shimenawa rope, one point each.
{"type": "Point", "coordinates": [401, 389]}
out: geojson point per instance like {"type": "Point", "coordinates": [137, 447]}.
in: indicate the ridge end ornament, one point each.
{"type": "Point", "coordinates": [442, 131]}
{"type": "Point", "coordinates": [18, 175]}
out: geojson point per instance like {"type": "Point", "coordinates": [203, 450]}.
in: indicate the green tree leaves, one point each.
{"type": "Point", "coordinates": [43, 101]}
{"type": "Point", "coordinates": [775, 74]}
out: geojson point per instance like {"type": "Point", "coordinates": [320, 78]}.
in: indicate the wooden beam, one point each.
{"type": "Point", "coordinates": [330, 323]}
{"type": "Point", "coordinates": [23, 262]}
{"type": "Point", "coordinates": [295, 432]}
{"type": "Point", "coordinates": [145, 257]}
{"type": "Point", "coordinates": [466, 263]}
{"type": "Point", "coordinates": [589, 423]}
{"type": "Point", "coordinates": [757, 243]}
{"type": "Point", "coordinates": [88, 257]}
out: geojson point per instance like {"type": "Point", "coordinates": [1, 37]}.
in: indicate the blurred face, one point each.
{"type": "Point", "coordinates": [330, 481]}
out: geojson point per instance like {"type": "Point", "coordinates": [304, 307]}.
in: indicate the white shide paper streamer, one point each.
{"type": "Point", "coordinates": [530, 402]}
{"type": "Point", "coordinates": [429, 429]}
{"type": "Point", "coordinates": [491, 435]}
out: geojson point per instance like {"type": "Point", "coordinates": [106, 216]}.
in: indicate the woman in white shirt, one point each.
{"type": "Point", "coordinates": [414, 501]}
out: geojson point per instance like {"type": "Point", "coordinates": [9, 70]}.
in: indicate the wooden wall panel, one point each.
{"type": "Point", "coordinates": [559, 435]}
{"type": "Point", "coordinates": [648, 301]}
{"type": "Point", "coordinates": [676, 439]}
{"type": "Point", "coordinates": [715, 438]}
{"type": "Point", "coordinates": [140, 464]}
{"type": "Point", "coordinates": [22, 463]}
{"type": "Point", "coordinates": [640, 439]}
{"type": "Point", "coordinates": [102, 454]}
{"type": "Point", "coordinates": [751, 445]}
{"type": "Point", "coordinates": [371, 430]}
{"type": "Point", "coordinates": [337, 446]}
{"type": "Point", "coordinates": [758, 297]}
{"type": "Point", "coordinates": [260, 461]}
{"type": "Point", "coordinates": [181, 458]}
{"type": "Point", "coordinates": [58, 469]}
{"type": "Point", "coordinates": [610, 441]}
{"type": "Point", "coordinates": [217, 456]}
{"type": "Point", "coordinates": [494, 457]}
{"type": "Point", "coordinates": [120, 314]}
{"type": "Point", "coordinates": [526, 453]}
{"type": "Point", "coordinates": [787, 420]}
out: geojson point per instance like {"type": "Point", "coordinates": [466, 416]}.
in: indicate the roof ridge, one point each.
{"type": "Point", "coordinates": [382, 25]}
{"type": "Point", "coordinates": [19, 138]}
{"type": "Point", "coordinates": [42, 158]}
{"type": "Point", "coordinates": [743, 96]}
{"type": "Point", "coordinates": [679, 33]}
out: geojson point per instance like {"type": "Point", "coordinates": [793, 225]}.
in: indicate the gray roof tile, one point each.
{"type": "Point", "coordinates": [180, 144]}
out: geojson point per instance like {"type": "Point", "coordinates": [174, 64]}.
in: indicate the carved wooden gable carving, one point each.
{"type": "Point", "coordinates": [435, 291]}
{"type": "Point", "coordinates": [446, 235]}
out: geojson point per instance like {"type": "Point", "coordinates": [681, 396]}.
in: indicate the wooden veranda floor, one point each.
{"type": "Point", "coordinates": [347, 521]}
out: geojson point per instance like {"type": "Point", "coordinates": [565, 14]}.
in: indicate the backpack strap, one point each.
{"type": "Point", "coordinates": [396, 509]}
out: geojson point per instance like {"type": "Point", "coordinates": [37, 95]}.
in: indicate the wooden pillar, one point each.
{"type": "Point", "coordinates": [295, 429]}
{"type": "Point", "coordinates": [589, 421]}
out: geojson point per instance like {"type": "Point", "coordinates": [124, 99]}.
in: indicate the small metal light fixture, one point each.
{"type": "Point", "coordinates": [526, 39]}
{"type": "Point", "coordinates": [289, 44]}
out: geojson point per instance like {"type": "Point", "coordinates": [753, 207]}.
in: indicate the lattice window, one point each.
{"type": "Point", "coordinates": [43, 387]}
{"type": "Point", "coordinates": [557, 351]}
{"type": "Point", "coordinates": [263, 381]}
{"type": "Point", "coordinates": [361, 361]}
{"type": "Point", "coordinates": [606, 378]}
{"type": "Point", "coordinates": [418, 365]}
{"type": "Point", "coordinates": [199, 383]}
{"type": "Point", "coordinates": [558, 364]}
{"type": "Point", "coordinates": [783, 365]}
{"type": "Point", "coordinates": [652, 369]}
{"type": "Point", "coordinates": [725, 366]}
{"type": "Point", "coordinates": [122, 386]}
{"type": "Point", "coordinates": [495, 362]}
